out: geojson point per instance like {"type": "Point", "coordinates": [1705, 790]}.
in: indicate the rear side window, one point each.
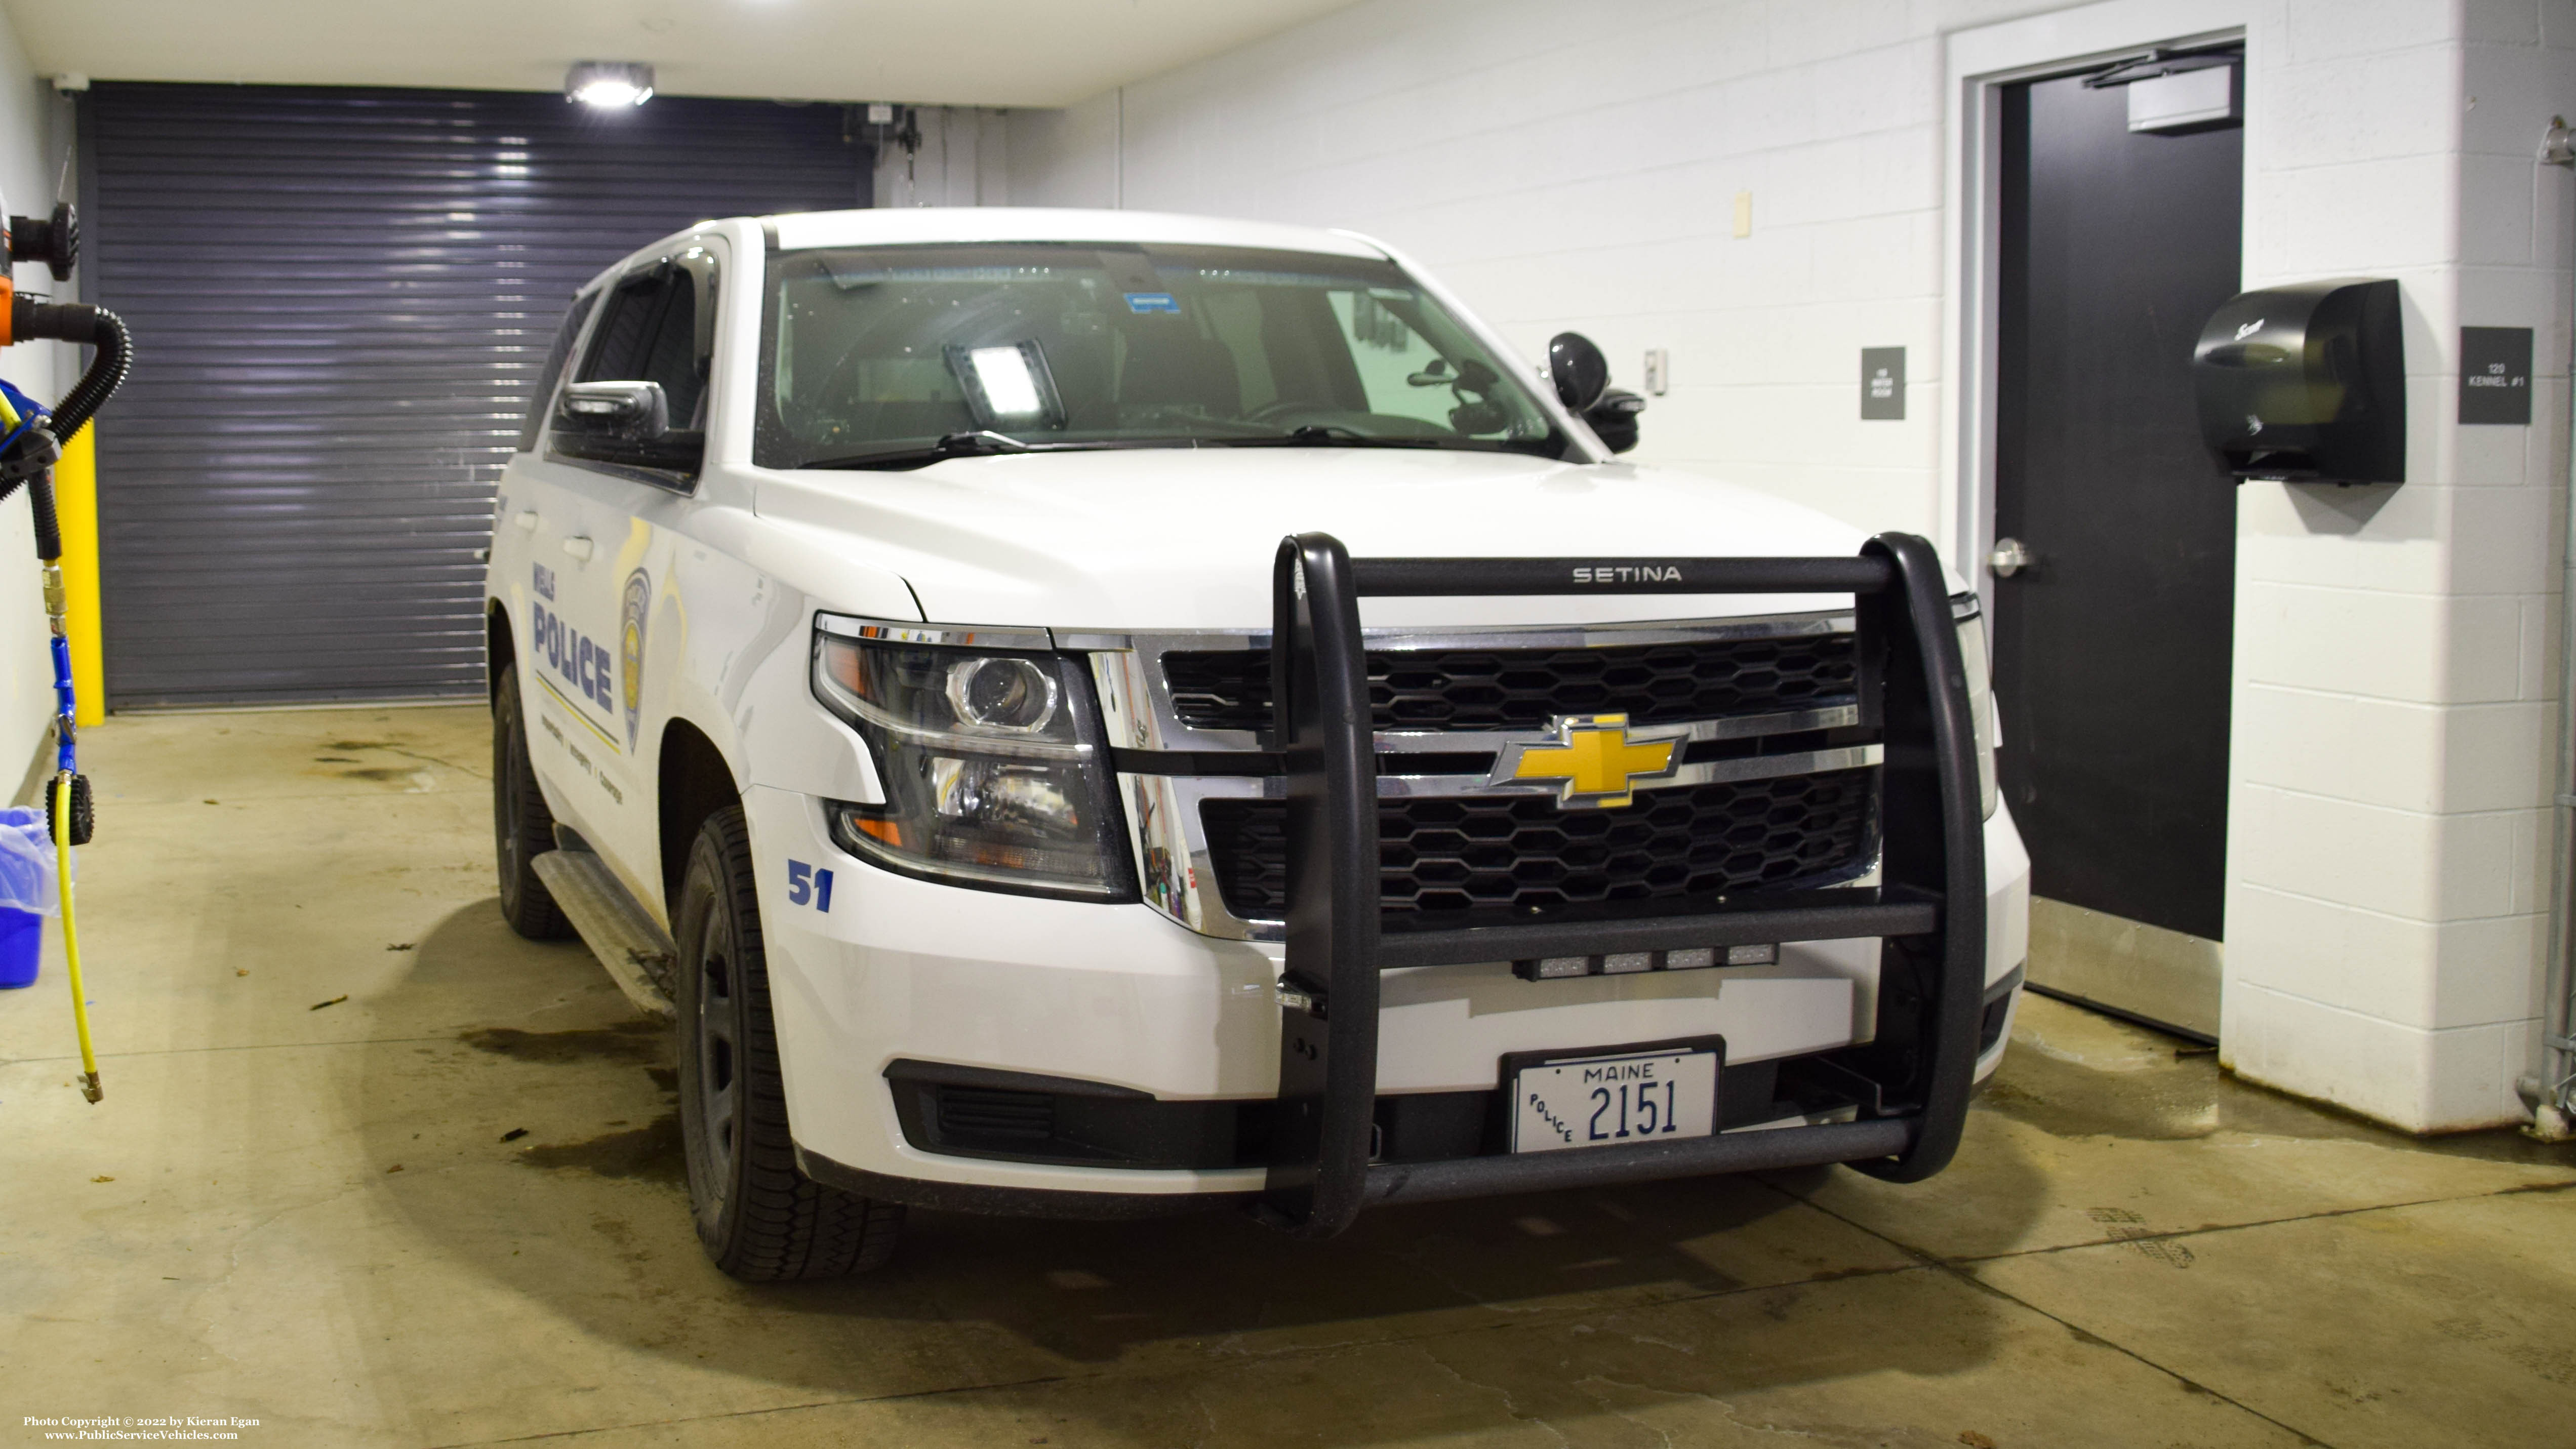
{"type": "Point", "coordinates": [552, 375]}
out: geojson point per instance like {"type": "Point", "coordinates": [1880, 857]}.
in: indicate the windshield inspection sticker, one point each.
{"type": "Point", "coordinates": [1153, 302]}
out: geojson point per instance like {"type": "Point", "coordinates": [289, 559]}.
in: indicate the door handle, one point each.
{"type": "Point", "coordinates": [527, 521]}
{"type": "Point", "coordinates": [2010, 557]}
{"type": "Point", "coordinates": [578, 547]}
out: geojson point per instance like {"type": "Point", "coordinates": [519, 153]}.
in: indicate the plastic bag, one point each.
{"type": "Point", "coordinates": [27, 864]}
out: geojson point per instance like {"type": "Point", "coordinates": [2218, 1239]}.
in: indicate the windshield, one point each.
{"type": "Point", "coordinates": [887, 351]}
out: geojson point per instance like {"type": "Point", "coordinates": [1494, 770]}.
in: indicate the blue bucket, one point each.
{"type": "Point", "coordinates": [22, 935]}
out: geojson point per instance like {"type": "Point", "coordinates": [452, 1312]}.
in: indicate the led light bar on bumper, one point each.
{"type": "Point", "coordinates": [993, 769]}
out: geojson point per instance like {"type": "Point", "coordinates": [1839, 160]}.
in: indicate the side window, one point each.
{"type": "Point", "coordinates": [670, 352]}
{"type": "Point", "coordinates": [629, 319]}
{"type": "Point", "coordinates": [658, 327]}
{"type": "Point", "coordinates": [551, 376]}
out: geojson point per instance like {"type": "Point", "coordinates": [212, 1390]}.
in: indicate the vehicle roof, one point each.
{"type": "Point", "coordinates": [902, 226]}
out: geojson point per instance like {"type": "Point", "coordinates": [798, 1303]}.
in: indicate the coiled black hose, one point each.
{"type": "Point", "coordinates": [66, 322]}
{"type": "Point", "coordinates": [79, 323]}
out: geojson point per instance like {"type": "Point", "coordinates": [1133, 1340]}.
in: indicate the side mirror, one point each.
{"type": "Point", "coordinates": [1578, 369]}
{"type": "Point", "coordinates": [1614, 419]}
{"type": "Point", "coordinates": [633, 412]}
{"type": "Point", "coordinates": [627, 423]}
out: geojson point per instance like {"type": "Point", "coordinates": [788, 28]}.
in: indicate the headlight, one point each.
{"type": "Point", "coordinates": [993, 770]}
{"type": "Point", "coordinates": [1981, 706]}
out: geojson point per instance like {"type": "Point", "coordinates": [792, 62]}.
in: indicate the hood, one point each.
{"type": "Point", "coordinates": [1178, 538]}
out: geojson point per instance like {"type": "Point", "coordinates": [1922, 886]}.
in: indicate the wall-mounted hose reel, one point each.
{"type": "Point", "coordinates": [53, 240]}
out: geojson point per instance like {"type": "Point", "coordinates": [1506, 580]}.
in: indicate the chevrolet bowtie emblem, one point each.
{"type": "Point", "coordinates": [1594, 757]}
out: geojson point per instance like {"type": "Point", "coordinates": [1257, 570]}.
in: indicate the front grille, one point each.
{"type": "Point", "coordinates": [1523, 852]}
{"type": "Point", "coordinates": [1483, 689]}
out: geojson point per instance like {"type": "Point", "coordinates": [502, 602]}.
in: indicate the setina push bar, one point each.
{"type": "Point", "coordinates": [1913, 1080]}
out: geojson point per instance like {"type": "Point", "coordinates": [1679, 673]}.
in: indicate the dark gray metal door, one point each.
{"type": "Point", "coordinates": [341, 300]}
{"type": "Point", "coordinates": [2112, 647]}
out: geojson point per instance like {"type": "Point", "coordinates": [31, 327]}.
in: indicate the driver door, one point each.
{"type": "Point", "coordinates": [605, 531]}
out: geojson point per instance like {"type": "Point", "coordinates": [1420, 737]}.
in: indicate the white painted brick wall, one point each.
{"type": "Point", "coordinates": [28, 116]}
{"type": "Point", "coordinates": [1569, 170]}
{"type": "Point", "coordinates": [2395, 710]}
{"type": "Point", "coordinates": [2395, 648]}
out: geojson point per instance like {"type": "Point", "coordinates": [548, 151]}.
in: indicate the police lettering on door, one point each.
{"type": "Point", "coordinates": [588, 668]}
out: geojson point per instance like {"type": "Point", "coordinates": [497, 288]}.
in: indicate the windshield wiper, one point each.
{"type": "Point", "coordinates": [1323, 435]}
{"type": "Point", "coordinates": [983, 443]}
{"type": "Point", "coordinates": [979, 444]}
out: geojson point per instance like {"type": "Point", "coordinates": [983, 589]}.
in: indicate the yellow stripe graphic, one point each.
{"type": "Point", "coordinates": [576, 711]}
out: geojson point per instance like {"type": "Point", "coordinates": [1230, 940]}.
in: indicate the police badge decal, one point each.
{"type": "Point", "coordinates": [630, 650]}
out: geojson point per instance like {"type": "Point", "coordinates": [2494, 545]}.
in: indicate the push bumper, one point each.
{"type": "Point", "coordinates": [1928, 906]}
{"type": "Point", "coordinates": [905, 970]}
{"type": "Point", "coordinates": [900, 970]}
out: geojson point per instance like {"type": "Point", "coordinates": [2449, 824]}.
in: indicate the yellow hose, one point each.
{"type": "Point", "coordinates": [71, 930]}
{"type": "Point", "coordinates": [62, 815]}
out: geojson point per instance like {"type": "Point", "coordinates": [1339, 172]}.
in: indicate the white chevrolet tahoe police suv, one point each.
{"type": "Point", "coordinates": [1093, 713]}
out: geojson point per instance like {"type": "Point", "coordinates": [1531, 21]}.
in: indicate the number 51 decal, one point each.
{"type": "Point", "coordinates": [805, 883]}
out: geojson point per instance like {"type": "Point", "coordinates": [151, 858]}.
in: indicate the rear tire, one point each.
{"type": "Point", "coordinates": [522, 827]}
{"type": "Point", "coordinates": [760, 1219]}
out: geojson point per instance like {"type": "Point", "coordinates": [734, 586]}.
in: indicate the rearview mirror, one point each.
{"type": "Point", "coordinates": [1578, 369]}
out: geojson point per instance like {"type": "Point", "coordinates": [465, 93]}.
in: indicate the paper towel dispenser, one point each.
{"type": "Point", "coordinates": [2306, 383]}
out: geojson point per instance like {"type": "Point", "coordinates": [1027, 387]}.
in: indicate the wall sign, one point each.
{"type": "Point", "coordinates": [2495, 375]}
{"type": "Point", "coordinates": [1882, 384]}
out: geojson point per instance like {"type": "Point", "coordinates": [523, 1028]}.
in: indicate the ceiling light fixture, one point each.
{"type": "Point", "coordinates": [608, 83]}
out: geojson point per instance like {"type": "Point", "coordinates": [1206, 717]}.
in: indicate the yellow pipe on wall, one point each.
{"type": "Point", "coordinates": [76, 509]}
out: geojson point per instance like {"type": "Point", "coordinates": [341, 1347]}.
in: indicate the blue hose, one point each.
{"type": "Point", "coordinates": [63, 714]}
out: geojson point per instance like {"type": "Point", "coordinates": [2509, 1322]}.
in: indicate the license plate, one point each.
{"type": "Point", "coordinates": [1603, 1101]}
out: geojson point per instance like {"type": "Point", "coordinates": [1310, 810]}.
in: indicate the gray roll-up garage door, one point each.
{"type": "Point", "coordinates": [340, 300]}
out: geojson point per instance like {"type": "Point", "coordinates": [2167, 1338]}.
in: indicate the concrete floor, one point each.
{"type": "Point", "coordinates": [308, 1215]}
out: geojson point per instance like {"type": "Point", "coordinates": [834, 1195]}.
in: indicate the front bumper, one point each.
{"type": "Point", "coordinates": [899, 969]}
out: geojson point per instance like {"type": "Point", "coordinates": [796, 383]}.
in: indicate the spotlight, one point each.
{"type": "Point", "coordinates": [608, 83]}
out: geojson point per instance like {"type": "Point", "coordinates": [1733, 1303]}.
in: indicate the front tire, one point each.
{"type": "Point", "coordinates": [760, 1219]}
{"type": "Point", "coordinates": [522, 827]}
